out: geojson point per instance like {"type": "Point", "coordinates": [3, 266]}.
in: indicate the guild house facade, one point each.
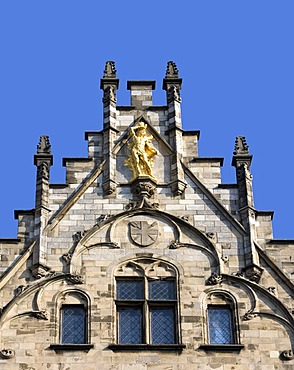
{"type": "Point", "coordinates": [143, 259]}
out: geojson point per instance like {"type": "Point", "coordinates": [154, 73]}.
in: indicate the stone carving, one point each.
{"type": "Point", "coordinates": [67, 258]}
{"type": "Point", "coordinates": [214, 279]}
{"type": "Point", "coordinates": [241, 146]}
{"type": "Point", "coordinates": [144, 189]}
{"type": "Point", "coordinates": [249, 315]}
{"type": "Point", "coordinates": [109, 94]}
{"type": "Point", "coordinates": [143, 233]}
{"type": "Point", "coordinates": [75, 279]}
{"type": "Point", "coordinates": [225, 259]}
{"type": "Point", "coordinates": [175, 245]}
{"type": "Point", "coordinates": [39, 270]}
{"type": "Point", "coordinates": [178, 187]}
{"type": "Point", "coordinates": [43, 170]}
{"type": "Point", "coordinates": [287, 355]}
{"type": "Point", "coordinates": [272, 290]}
{"type": "Point", "coordinates": [171, 70]}
{"type": "Point", "coordinates": [173, 93]}
{"type": "Point", "coordinates": [109, 187]}
{"type": "Point", "coordinates": [238, 274]}
{"type": "Point", "coordinates": [20, 289]}
{"type": "Point", "coordinates": [44, 146]}
{"type": "Point", "coordinates": [78, 235]}
{"type": "Point", "coordinates": [140, 160]}
{"type": "Point", "coordinates": [102, 218]}
{"type": "Point", "coordinates": [211, 236]}
{"type": "Point", "coordinates": [41, 315]}
{"type": "Point", "coordinates": [109, 71]}
{"type": "Point", "coordinates": [7, 353]}
{"type": "Point", "coordinates": [253, 273]}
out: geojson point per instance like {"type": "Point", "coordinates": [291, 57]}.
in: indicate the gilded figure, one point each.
{"type": "Point", "coordinates": [140, 159]}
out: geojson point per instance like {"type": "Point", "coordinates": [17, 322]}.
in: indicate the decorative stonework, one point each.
{"type": "Point", "coordinates": [249, 315]}
{"type": "Point", "coordinates": [67, 257]}
{"type": "Point", "coordinates": [173, 93]}
{"type": "Point", "coordinates": [109, 71]}
{"type": "Point", "coordinates": [44, 146]}
{"type": "Point", "coordinates": [171, 70]}
{"type": "Point", "coordinates": [109, 187]}
{"type": "Point", "coordinates": [253, 273]}
{"type": "Point", "coordinates": [143, 233]}
{"type": "Point", "coordinates": [143, 188]}
{"type": "Point", "coordinates": [7, 353]}
{"type": "Point", "coordinates": [287, 355]}
{"type": "Point", "coordinates": [109, 95]}
{"type": "Point", "coordinates": [41, 315]}
{"type": "Point", "coordinates": [178, 187]}
{"type": "Point", "coordinates": [241, 146]}
{"type": "Point", "coordinates": [75, 279]}
{"type": "Point", "coordinates": [38, 270]}
{"type": "Point", "coordinates": [214, 279]}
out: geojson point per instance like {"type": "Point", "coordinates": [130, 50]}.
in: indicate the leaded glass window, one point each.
{"type": "Point", "coordinates": [146, 311]}
{"type": "Point", "coordinates": [73, 324]}
{"type": "Point", "coordinates": [220, 325]}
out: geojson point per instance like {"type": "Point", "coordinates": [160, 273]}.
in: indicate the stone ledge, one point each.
{"type": "Point", "coordinates": [147, 347]}
{"type": "Point", "coordinates": [71, 347]}
{"type": "Point", "coordinates": [222, 347]}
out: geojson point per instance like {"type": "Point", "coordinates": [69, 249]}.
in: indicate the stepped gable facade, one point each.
{"type": "Point", "coordinates": [144, 259]}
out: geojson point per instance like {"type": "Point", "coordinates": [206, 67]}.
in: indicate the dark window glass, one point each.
{"type": "Point", "coordinates": [130, 325]}
{"type": "Point", "coordinates": [220, 325]}
{"type": "Point", "coordinates": [146, 316]}
{"type": "Point", "coordinates": [161, 290]}
{"type": "Point", "coordinates": [130, 289]}
{"type": "Point", "coordinates": [73, 324]}
{"type": "Point", "coordinates": [162, 325]}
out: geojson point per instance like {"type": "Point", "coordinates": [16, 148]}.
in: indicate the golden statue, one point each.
{"type": "Point", "coordinates": [140, 160]}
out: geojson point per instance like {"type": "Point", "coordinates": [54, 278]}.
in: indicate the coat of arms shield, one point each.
{"type": "Point", "coordinates": [143, 233]}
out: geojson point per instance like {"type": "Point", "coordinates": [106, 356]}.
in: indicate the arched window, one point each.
{"type": "Point", "coordinates": [222, 329]}
{"type": "Point", "coordinates": [147, 303]}
{"type": "Point", "coordinates": [72, 320]}
{"type": "Point", "coordinates": [220, 324]}
{"type": "Point", "coordinates": [73, 324]}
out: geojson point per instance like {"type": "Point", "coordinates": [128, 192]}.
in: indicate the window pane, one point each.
{"type": "Point", "coordinates": [130, 325]}
{"type": "Point", "coordinates": [162, 325]}
{"type": "Point", "coordinates": [220, 325]}
{"type": "Point", "coordinates": [129, 289]}
{"type": "Point", "coordinates": [73, 324]}
{"type": "Point", "coordinates": [161, 290]}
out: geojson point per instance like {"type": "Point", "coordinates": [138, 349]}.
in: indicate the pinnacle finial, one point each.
{"type": "Point", "coordinates": [171, 70]}
{"type": "Point", "coordinates": [241, 146]}
{"type": "Point", "coordinates": [109, 71]}
{"type": "Point", "coordinates": [44, 146]}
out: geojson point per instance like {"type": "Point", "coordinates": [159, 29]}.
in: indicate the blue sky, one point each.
{"type": "Point", "coordinates": [236, 59]}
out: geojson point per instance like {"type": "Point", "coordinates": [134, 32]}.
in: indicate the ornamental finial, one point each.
{"type": "Point", "coordinates": [171, 70]}
{"type": "Point", "coordinates": [109, 71]}
{"type": "Point", "coordinates": [44, 146]}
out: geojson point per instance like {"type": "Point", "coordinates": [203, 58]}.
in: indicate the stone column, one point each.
{"type": "Point", "coordinates": [242, 161]}
{"type": "Point", "coordinates": [43, 160]}
{"type": "Point", "coordinates": [109, 84]}
{"type": "Point", "coordinates": [172, 85]}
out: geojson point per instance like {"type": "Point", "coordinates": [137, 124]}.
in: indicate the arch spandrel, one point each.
{"type": "Point", "coordinates": [144, 229]}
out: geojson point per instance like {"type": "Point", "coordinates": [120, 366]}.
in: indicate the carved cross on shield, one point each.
{"type": "Point", "coordinates": [143, 233]}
